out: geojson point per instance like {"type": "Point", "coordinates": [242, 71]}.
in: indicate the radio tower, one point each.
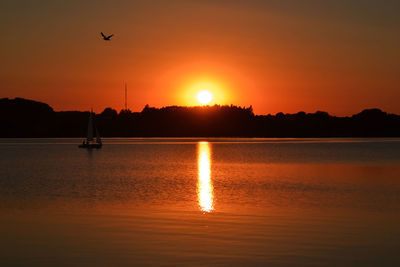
{"type": "Point", "coordinates": [126, 97]}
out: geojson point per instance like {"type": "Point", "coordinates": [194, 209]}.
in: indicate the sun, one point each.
{"type": "Point", "coordinates": [203, 92]}
{"type": "Point", "coordinates": [204, 97]}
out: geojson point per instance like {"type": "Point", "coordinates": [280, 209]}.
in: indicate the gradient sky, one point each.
{"type": "Point", "coordinates": [333, 55]}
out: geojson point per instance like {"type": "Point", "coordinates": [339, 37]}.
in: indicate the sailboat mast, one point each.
{"type": "Point", "coordinates": [90, 127]}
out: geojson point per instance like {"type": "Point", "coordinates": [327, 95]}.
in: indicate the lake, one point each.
{"type": "Point", "coordinates": [197, 202]}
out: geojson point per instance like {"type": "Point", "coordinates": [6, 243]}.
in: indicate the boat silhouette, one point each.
{"type": "Point", "coordinates": [90, 142]}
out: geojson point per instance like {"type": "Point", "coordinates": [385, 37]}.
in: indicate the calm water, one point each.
{"type": "Point", "coordinates": [191, 202]}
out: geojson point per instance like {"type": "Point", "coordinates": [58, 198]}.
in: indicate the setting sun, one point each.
{"type": "Point", "coordinates": [204, 97]}
{"type": "Point", "coordinates": [204, 91]}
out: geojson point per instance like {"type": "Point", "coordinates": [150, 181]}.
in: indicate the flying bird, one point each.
{"type": "Point", "coordinates": [106, 38]}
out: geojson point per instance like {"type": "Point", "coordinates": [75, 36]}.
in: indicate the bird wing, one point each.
{"type": "Point", "coordinates": [102, 34]}
{"type": "Point", "coordinates": [110, 36]}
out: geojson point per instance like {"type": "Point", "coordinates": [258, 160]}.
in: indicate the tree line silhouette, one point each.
{"type": "Point", "coordinates": [26, 118]}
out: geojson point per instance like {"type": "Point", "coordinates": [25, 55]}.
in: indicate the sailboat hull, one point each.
{"type": "Point", "coordinates": [90, 146]}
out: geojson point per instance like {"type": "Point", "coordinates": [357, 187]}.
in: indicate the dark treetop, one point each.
{"type": "Point", "coordinates": [26, 118]}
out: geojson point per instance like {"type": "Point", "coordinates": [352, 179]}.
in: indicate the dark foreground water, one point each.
{"type": "Point", "coordinates": [191, 202]}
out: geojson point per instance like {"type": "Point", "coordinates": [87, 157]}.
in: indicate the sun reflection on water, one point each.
{"type": "Point", "coordinates": [204, 185]}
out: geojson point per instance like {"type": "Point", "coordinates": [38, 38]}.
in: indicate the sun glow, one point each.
{"type": "Point", "coordinates": [204, 92]}
{"type": "Point", "coordinates": [204, 97]}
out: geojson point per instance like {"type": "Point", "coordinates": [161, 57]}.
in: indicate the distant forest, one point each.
{"type": "Point", "coordinates": [26, 118]}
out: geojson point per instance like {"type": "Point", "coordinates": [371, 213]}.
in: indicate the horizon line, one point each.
{"type": "Point", "coordinates": [204, 106]}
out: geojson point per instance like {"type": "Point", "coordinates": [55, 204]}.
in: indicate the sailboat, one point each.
{"type": "Point", "coordinates": [90, 142]}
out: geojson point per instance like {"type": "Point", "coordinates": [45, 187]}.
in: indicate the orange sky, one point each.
{"type": "Point", "coordinates": [337, 56]}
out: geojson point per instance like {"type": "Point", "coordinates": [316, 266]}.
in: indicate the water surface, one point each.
{"type": "Point", "coordinates": [188, 201]}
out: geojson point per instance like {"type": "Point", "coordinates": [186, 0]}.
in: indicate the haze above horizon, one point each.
{"type": "Point", "coordinates": [337, 56]}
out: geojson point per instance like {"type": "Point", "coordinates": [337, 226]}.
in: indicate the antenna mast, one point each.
{"type": "Point", "coordinates": [126, 97]}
